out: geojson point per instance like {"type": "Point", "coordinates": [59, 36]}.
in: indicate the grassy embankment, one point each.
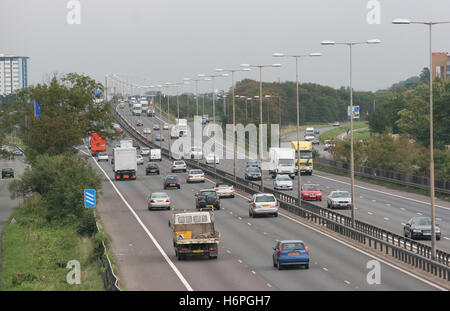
{"type": "Point", "coordinates": [361, 130]}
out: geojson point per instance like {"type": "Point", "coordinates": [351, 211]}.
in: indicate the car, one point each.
{"type": "Point", "coordinates": [420, 227]}
{"type": "Point", "coordinates": [207, 198]}
{"type": "Point", "coordinates": [117, 146]}
{"type": "Point", "coordinates": [225, 190]}
{"type": "Point", "coordinates": [290, 252]}
{"type": "Point", "coordinates": [145, 151]}
{"type": "Point", "coordinates": [156, 127]}
{"type": "Point", "coordinates": [158, 200]}
{"type": "Point", "coordinates": [338, 199]}
{"type": "Point", "coordinates": [136, 145]}
{"type": "Point", "coordinates": [336, 124]}
{"type": "Point", "coordinates": [159, 138]}
{"type": "Point", "coordinates": [139, 123]}
{"type": "Point", "coordinates": [139, 159]}
{"type": "Point", "coordinates": [17, 152]}
{"type": "Point", "coordinates": [165, 126]}
{"type": "Point", "coordinates": [7, 172]}
{"type": "Point", "coordinates": [179, 166]}
{"type": "Point", "coordinates": [283, 182]}
{"type": "Point", "coordinates": [316, 141]}
{"type": "Point", "coordinates": [309, 137]}
{"type": "Point", "coordinates": [146, 131]}
{"type": "Point", "coordinates": [311, 192]}
{"type": "Point", "coordinates": [194, 153]}
{"type": "Point", "coordinates": [152, 168]}
{"type": "Point", "coordinates": [263, 204]}
{"type": "Point", "coordinates": [210, 158]}
{"type": "Point", "coordinates": [102, 156]}
{"type": "Point", "coordinates": [252, 173]}
{"type": "Point", "coordinates": [171, 181]}
{"type": "Point", "coordinates": [195, 176]}
{"type": "Point", "coordinates": [253, 163]}
{"type": "Point", "coordinates": [316, 132]}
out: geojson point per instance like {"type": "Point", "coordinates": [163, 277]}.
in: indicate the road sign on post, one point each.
{"type": "Point", "coordinates": [89, 198]}
{"type": "Point", "coordinates": [355, 112]}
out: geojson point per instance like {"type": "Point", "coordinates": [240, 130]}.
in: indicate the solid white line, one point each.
{"type": "Point", "coordinates": [155, 242]}
{"type": "Point", "coordinates": [367, 254]}
{"type": "Point", "coordinates": [394, 195]}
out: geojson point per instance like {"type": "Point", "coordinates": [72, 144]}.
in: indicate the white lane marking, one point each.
{"type": "Point", "coordinates": [419, 214]}
{"type": "Point", "coordinates": [365, 253]}
{"type": "Point", "coordinates": [388, 204]}
{"type": "Point", "coordinates": [379, 191]}
{"type": "Point", "coordinates": [346, 282]}
{"type": "Point", "coordinates": [268, 285]}
{"type": "Point", "coordinates": [374, 200]}
{"type": "Point", "coordinates": [240, 218]}
{"type": "Point", "coordinates": [403, 209]}
{"type": "Point", "coordinates": [155, 242]}
{"type": "Point", "coordinates": [231, 213]}
{"type": "Point", "coordinates": [385, 218]}
{"type": "Point", "coordinates": [447, 238]}
{"type": "Point", "coordinates": [253, 272]}
{"type": "Point", "coordinates": [240, 261]}
{"type": "Point", "coordinates": [403, 224]}
{"type": "Point", "coordinates": [325, 269]}
{"type": "Point", "coordinates": [361, 197]}
{"type": "Point", "coordinates": [249, 224]}
{"type": "Point", "coordinates": [370, 213]}
{"type": "Point", "coordinates": [228, 251]}
{"type": "Point", "coordinates": [264, 233]}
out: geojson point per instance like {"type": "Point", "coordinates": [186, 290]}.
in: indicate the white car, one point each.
{"type": "Point", "coordinates": [209, 159]}
{"type": "Point", "coordinates": [283, 182]}
{"type": "Point", "coordinates": [195, 176]}
{"type": "Point", "coordinates": [225, 190]}
{"type": "Point", "coordinates": [158, 200]}
{"type": "Point", "coordinates": [194, 153]}
{"type": "Point", "coordinates": [309, 137]}
{"type": "Point", "coordinates": [145, 151]}
{"type": "Point", "coordinates": [146, 131]}
{"type": "Point", "coordinates": [140, 159]}
{"type": "Point", "coordinates": [339, 199]}
{"type": "Point", "coordinates": [263, 204]}
{"type": "Point", "coordinates": [102, 156]}
{"type": "Point", "coordinates": [165, 126]}
{"type": "Point", "coordinates": [179, 166]}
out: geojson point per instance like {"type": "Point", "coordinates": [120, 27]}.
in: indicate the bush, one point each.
{"type": "Point", "coordinates": [87, 225]}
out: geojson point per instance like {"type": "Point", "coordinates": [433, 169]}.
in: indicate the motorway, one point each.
{"type": "Point", "coordinates": [377, 205]}
{"type": "Point", "coordinates": [142, 245]}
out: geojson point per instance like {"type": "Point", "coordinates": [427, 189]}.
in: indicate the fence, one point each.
{"type": "Point", "coordinates": [401, 248]}
{"type": "Point", "coordinates": [390, 176]}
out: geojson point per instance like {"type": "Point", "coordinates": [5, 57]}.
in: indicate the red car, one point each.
{"type": "Point", "coordinates": [311, 192]}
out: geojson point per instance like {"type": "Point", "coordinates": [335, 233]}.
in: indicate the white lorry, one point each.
{"type": "Point", "coordinates": [155, 155]}
{"type": "Point", "coordinates": [137, 109]}
{"type": "Point", "coordinates": [182, 126]}
{"type": "Point", "coordinates": [282, 161]}
{"type": "Point", "coordinates": [144, 106]}
{"type": "Point", "coordinates": [125, 165]}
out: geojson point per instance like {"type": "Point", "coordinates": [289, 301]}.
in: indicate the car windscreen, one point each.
{"type": "Point", "coordinates": [422, 222]}
{"type": "Point", "coordinates": [265, 198]}
{"type": "Point", "coordinates": [179, 163]}
{"type": "Point", "coordinates": [341, 194]}
{"type": "Point", "coordinates": [159, 195]}
{"type": "Point", "coordinates": [311, 188]}
{"type": "Point", "coordinates": [253, 170]}
{"type": "Point", "coordinates": [286, 162]}
{"type": "Point", "coordinates": [223, 185]}
{"type": "Point", "coordinates": [283, 177]}
{"type": "Point", "coordinates": [171, 178]}
{"type": "Point", "coordinates": [208, 193]}
{"type": "Point", "coordinates": [293, 246]}
{"type": "Point", "coordinates": [195, 172]}
{"type": "Point", "coordinates": [306, 154]}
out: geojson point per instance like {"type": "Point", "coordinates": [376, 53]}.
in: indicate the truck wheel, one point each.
{"type": "Point", "coordinates": [306, 266]}
{"type": "Point", "coordinates": [212, 257]}
{"type": "Point", "coordinates": [275, 215]}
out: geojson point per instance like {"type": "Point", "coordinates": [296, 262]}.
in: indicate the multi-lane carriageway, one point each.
{"type": "Point", "coordinates": [382, 207]}
{"type": "Point", "coordinates": [142, 245]}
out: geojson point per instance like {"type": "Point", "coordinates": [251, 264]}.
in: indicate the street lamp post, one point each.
{"type": "Point", "coordinates": [352, 162]}
{"type": "Point", "coordinates": [297, 152]}
{"type": "Point", "coordinates": [260, 67]}
{"type": "Point", "coordinates": [213, 77]}
{"type": "Point", "coordinates": [401, 21]}
{"type": "Point", "coordinates": [232, 71]}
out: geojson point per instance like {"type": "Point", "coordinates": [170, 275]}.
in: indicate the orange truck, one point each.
{"type": "Point", "coordinates": [98, 143]}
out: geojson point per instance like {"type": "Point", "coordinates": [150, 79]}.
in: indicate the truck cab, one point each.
{"type": "Point", "coordinates": [282, 161]}
{"type": "Point", "coordinates": [303, 149]}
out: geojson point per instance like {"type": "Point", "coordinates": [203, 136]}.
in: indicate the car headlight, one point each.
{"type": "Point", "coordinates": [416, 230]}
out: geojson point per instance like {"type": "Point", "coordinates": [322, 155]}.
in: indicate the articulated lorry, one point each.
{"type": "Point", "coordinates": [137, 109]}
{"type": "Point", "coordinates": [304, 148]}
{"type": "Point", "coordinates": [125, 163]}
{"type": "Point", "coordinates": [282, 161]}
{"type": "Point", "coordinates": [97, 143]}
{"type": "Point", "coordinates": [194, 234]}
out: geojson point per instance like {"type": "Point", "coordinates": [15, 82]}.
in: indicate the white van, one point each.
{"type": "Point", "coordinates": [155, 155]}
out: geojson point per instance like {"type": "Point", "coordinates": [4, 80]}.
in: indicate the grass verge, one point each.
{"type": "Point", "coordinates": [35, 253]}
{"type": "Point", "coordinates": [333, 133]}
{"type": "Point", "coordinates": [382, 182]}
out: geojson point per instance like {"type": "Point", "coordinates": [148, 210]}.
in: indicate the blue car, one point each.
{"type": "Point", "coordinates": [159, 138]}
{"type": "Point", "coordinates": [290, 252]}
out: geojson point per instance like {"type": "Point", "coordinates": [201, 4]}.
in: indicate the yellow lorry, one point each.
{"type": "Point", "coordinates": [306, 156]}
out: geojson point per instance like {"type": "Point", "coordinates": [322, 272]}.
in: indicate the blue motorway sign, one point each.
{"type": "Point", "coordinates": [89, 198]}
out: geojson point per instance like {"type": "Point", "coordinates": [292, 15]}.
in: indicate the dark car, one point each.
{"type": "Point", "coordinates": [207, 198]}
{"type": "Point", "coordinates": [17, 152]}
{"type": "Point", "coordinates": [420, 227]}
{"type": "Point", "coordinates": [252, 173]}
{"type": "Point", "coordinates": [136, 145]}
{"type": "Point", "coordinates": [172, 181]}
{"type": "Point", "coordinates": [152, 168]}
{"type": "Point", "coordinates": [7, 172]}
{"type": "Point", "coordinates": [139, 123]}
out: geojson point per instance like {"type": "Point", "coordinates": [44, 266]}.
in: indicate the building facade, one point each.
{"type": "Point", "coordinates": [441, 65]}
{"type": "Point", "coordinates": [13, 73]}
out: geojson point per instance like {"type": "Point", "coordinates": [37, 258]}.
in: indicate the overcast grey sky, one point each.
{"type": "Point", "coordinates": [167, 40]}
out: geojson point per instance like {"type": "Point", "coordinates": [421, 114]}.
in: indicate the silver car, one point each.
{"type": "Point", "coordinates": [146, 131]}
{"type": "Point", "coordinates": [263, 204]}
{"type": "Point", "coordinates": [195, 176]}
{"type": "Point", "coordinates": [339, 199]}
{"type": "Point", "coordinates": [159, 200]}
{"type": "Point", "coordinates": [145, 151]}
{"type": "Point", "coordinates": [165, 126]}
{"type": "Point", "coordinates": [102, 156]}
{"type": "Point", "coordinates": [283, 182]}
{"type": "Point", "coordinates": [179, 166]}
